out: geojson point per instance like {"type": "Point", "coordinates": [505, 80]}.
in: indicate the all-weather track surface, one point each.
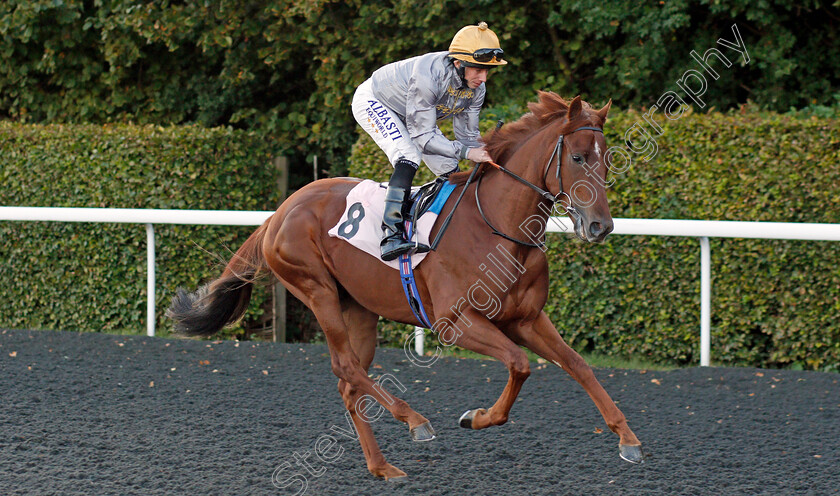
{"type": "Point", "coordinates": [98, 414]}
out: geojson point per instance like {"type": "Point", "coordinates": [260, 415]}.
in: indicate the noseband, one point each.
{"type": "Point", "coordinates": [570, 209]}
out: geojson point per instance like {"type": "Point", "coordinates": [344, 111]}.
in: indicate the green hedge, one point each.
{"type": "Point", "coordinates": [92, 277]}
{"type": "Point", "coordinates": [774, 303]}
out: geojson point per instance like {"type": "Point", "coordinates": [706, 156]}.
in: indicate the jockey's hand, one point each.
{"type": "Point", "coordinates": [479, 155]}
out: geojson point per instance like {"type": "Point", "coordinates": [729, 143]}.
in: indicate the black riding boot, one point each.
{"type": "Point", "coordinates": [397, 198]}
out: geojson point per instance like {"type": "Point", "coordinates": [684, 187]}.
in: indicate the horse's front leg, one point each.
{"type": "Point", "coordinates": [475, 332]}
{"type": "Point", "coordinates": [542, 338]}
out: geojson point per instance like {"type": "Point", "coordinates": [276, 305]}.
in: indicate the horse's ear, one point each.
{"type": "Point", "coordinates": [575, 108]}
{"type": "Point", "coordinates": [604, 111]}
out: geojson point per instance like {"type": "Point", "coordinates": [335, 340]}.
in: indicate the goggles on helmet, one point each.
{"type": "Point", "coordinates": [483, 55]}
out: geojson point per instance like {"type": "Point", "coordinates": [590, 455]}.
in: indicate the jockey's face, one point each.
{"type": "Point", "coordinates": [474, 76]}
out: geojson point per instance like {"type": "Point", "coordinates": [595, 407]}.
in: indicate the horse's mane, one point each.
{"type": "Point", "coordinates": [549, 108]}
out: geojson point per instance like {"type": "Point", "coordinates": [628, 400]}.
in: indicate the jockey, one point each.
{"type": "Point", "coordinates": [399, 107]}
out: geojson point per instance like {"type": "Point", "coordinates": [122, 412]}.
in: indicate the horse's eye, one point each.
{"type": "Point", "coordinates": [577, 158]}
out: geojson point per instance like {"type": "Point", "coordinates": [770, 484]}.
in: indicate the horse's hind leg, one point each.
{"type": "Point", "coordinates": [542, 338]}
{"type": "Point", "coordinates": [294, 253]}
{"type": "Point", "coordinates": [307, 278]}
{"type": "Point", "coordinates": [361, 326]}
{"type": "Point", "coordinates": [345, 365]}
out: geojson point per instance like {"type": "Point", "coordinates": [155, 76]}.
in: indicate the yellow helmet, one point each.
{"type": "Point", "coordinates": [477, 46]}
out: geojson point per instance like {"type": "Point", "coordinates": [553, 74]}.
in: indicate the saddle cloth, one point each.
{"type": "Point", "coordinates": [361, 223]}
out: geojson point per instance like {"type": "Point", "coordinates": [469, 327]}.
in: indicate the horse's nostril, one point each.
{"type": "Point", "coordinates": [595, 229]}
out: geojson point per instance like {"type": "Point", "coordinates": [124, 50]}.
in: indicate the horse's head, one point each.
{"type": "Point", "coordinates": [574, 132]}
{"type": "Point", "coordinates": [581, 182]}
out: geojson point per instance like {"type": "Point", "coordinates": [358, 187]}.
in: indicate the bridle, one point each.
{"type": "Point", "coordinates": [554, 199]}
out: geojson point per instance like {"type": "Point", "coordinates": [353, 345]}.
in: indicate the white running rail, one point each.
{"type": "Point", "coordinates": [702, 229]}
{"type": "Point", "coordinates": [149, 217]}
{"type": "Point", "coordinates": [705, 229]}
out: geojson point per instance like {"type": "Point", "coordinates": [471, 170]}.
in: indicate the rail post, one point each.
{"type": "Point", "coordinates": [419, 338]}
{"type": "Point", "coordinates": [705, 301]}
{"type": "Point", "coordinates": [150, 280]}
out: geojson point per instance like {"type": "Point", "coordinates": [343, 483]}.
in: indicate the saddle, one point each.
{"type": "Point", "coordinates": [361, 223]}
{"type": "Point", "coordinates": [425, 199]}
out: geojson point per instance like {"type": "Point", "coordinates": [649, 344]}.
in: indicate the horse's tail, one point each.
{"type": "Point", "coordinates": [223, 301]}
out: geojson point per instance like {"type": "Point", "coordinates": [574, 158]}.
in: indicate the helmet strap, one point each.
{"type": "Point", "coordinates": [461, 71]}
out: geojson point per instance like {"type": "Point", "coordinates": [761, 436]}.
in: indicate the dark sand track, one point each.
{"type": "Point", "coordinates": [103, 414]}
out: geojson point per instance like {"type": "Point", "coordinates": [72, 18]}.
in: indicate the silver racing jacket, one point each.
{"type": "Point", "coordinates": [425, 89]}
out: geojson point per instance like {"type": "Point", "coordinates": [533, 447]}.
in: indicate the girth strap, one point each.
{"type": "Point", "coordinates": [412, 294]}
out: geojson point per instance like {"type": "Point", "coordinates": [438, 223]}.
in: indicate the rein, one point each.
{"type": "Point", "coordinates": [570, 209]}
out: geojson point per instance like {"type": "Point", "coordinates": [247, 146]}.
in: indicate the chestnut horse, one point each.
{"type": "Point", "coordinates": [348, 289]}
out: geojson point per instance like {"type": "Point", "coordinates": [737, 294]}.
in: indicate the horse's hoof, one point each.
{"type": "Point", "coordinates": [466, 419]}
{"type": "Point", "coordinates": [632, 454]}
{"type": "Point", "coordinates": [389, 473]}
{"type": "Point", "coordinates": [423, 432]}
